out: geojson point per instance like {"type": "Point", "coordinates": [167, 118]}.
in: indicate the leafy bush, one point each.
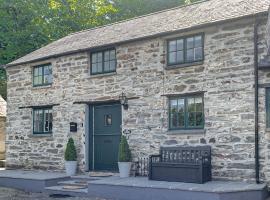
{"type": "Point", "coordinates": [124, 154]}
{"type": "Point", "coordinates": [70, 153]}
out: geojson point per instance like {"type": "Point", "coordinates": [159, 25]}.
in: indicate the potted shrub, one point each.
{"type": "Point", "coordinates": [71, 158]}
{"type": "Point", "coordinates": [124, 158]}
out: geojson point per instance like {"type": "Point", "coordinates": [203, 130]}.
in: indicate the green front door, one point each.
{"type": "Point", "coordinates": [106, 136]}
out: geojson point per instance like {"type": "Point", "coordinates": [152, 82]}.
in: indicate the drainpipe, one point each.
{"type": "Point", "coordinates": [256, 80]}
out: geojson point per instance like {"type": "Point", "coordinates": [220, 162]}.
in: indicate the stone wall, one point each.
{"type": "Point", "coordinates": [2, 128]}
{"type": "Point", "coordinates": [268, 33]}
{"type": "Point", "coordinates": [226, 77]}
{"type": "Point", "coordinates": [2, 137]}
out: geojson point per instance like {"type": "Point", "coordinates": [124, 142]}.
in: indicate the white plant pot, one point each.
{"type": "Point", "coordinates": [71, 167]}
{"type": "Point", "coordinates": [124, 169]}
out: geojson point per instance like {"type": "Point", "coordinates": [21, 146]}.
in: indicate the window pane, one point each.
{"type": "Point", "coordinates": [99, 57]}
{"type": "Point", "coordinates": [180, 44]}
{"type": "Point", "coordinates": [47, 79]}
{"type": "Point", "coordinates": [181, 113]}
{"type": "Point", "coordinates": [94, 68]}
{"type": "Point", "coordinates": [180, 57]}
{"type": "Point", "coordinates": [94, 57]}
{"type": "Point", "coordinates": [106, 66]}
{"type": "Point", "coordinates": [99, 67]}
{"type": "Point", "coordinates": [41, 120]}
{"type": "Point", "coordinates": [198, 53]}
{"type": "Point", "coordinates": [181, 120]}
{"type": "Point", "coordinates": [191, 105]}
{"type": "Point", "coordinates": [198, 41]}
{"type": "Point", "coordinates": [172, 57]}
{"type": "Point", "coordinates": [50, 120]}
{"type": "Point", "coordinates": [199, 104]}
{"type": "Point", "coordinates": [190, 43]}
{"type": "Point", "coordinates": [36, 117]}
{"type": "Point", "coordinates": [112, 55]}
{"type": "Point", "coordinates": [172, 45]}
{"type": "Point", "coordinates": [181, 105]}
{"type": "Point", "coordinates": [46, 120]}
{"type": "Point", "coordinates": [39, 82]}
{"type": "Point", "coordinates": [47, 70]}
{"type": "Point", "coordinates": [174, 113]}
{"type": "Point", "coordinates": [40, 71]}
{"type": "Point", "coordinates": [199, 119]}
{"type": "Point", "coordinates": [36, 71]}
{"type": "Point", "coordinates": [35, 80]}
{"type": "Point", "coordinates": [112, 65]}
{"type": "Point", "coordinates": [191, 119]}
{"type": "Point", "coordinates": [190, 55]}
{"type": "Point", "coordinates": [106, 55]}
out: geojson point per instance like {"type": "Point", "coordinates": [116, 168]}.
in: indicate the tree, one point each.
{"type": "Point", "coordinates": [131, 8]}
{"type": "Point", "coordinates": [27, 25]}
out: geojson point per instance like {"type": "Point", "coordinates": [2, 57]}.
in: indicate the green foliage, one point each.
{"type": "Point", "coordinates": [124, 154]}
{"type": "Point", "coordinates": [132, 8]}
{"type": "Point", "coordinates": [70, 153]}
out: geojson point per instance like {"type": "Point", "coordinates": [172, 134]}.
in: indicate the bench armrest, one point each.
{"type": "Point", "coordinates": [205, 159]}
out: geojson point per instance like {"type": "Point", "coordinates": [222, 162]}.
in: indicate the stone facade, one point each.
{"type": "Point", "coordinates": [226, 77]}
{"type": "Point", "coordinates": [2, 128]}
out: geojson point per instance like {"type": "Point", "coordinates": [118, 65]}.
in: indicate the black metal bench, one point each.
{"type": "Point", "coordinates": [190, 164]}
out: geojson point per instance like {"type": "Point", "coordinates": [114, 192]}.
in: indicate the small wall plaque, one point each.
{"type": "Point", "coordinates": [73, 127]}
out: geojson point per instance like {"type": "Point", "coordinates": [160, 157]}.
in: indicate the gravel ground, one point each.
{"type": "Point", "coordinates": [11, 194]}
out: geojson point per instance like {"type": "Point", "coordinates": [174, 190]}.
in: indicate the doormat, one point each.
{"type": "Point", "coordinates": [58, 196]}
{"type": "Point", "coordinates": [100, 174]}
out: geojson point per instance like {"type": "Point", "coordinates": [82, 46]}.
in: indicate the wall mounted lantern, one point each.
{"type": "Point", "coordinates": [123, 100]}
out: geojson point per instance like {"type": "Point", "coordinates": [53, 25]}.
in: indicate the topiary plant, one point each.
{"type": "Point", "coordinates": [124, 154]}
{"type": "Point", "coordinates": [70, 153]}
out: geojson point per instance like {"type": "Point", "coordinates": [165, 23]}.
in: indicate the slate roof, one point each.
{"type": "Point", "coordinates": [155, 24]}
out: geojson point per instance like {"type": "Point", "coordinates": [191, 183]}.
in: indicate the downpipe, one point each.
{"type": "Point", "coordinates": [256, 88]}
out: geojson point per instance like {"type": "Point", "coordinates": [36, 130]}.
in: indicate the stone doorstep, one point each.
{"type": "Point", "coordinates": [76, 183]}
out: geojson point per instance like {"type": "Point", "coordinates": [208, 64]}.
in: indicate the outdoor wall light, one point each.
{"type": "Point", "coordinates": [123, 100]}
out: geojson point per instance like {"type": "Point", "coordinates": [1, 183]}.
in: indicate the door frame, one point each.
{"type": "Point", "coordinates": [90, 154]}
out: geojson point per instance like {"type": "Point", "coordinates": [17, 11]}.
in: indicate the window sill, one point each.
{"type": "Point", "coordinates": [42, 86]}
{"type": "Point", "coordinates": [183, 132]}
{"type": "Point", "coordinates": [40, 135]}
{"type": "Point", "coordinates": [102, 75]}
{"type": "Point", "coordinates": [168, 67]}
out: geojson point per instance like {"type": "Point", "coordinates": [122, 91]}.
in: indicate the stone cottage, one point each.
{"type": "Point", "coordinates": [196, 74]}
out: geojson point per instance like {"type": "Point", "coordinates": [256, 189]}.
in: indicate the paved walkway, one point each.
{"type": "Point", "coordinates": [11, 194]}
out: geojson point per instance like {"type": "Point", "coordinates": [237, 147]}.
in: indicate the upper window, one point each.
{"type": "Point", "coordinates": [186, 112]}
{"type": "Point", "coordinates": [103, 62]}
{"type": "Point", "coordinates": [42, 120]}
{"type": "Point", "coordinates": [185, 50]}
{"type": "Point", "coordinates": [42, 75]}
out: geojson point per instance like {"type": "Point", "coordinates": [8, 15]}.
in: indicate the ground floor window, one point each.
{"type": "Point", "coordinates": [42, 120]}
{"type": "Point", "coordinates": [186, 112]}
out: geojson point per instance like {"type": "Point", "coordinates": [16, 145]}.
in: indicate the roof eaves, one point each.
{"type": "Point", "coordinates": [260, 14]}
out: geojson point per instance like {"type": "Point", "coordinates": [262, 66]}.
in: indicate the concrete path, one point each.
{"type": "Point", "coordinates": [11, 194]}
